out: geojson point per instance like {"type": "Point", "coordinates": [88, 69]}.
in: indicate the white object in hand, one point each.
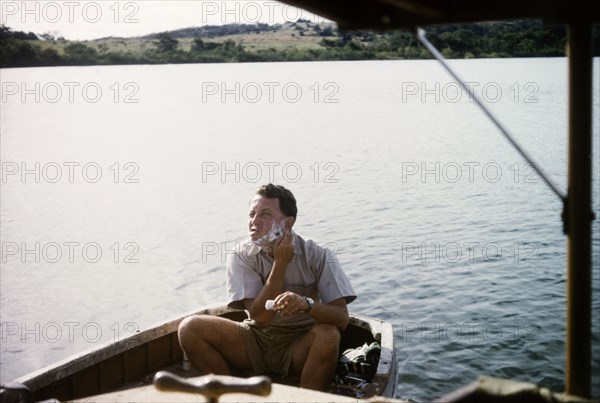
{"type": "Point", "coordinates": [270, 305]}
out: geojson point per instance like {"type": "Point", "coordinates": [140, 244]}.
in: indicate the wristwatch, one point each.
{"type": "Point", "coordinates": [310, 303]}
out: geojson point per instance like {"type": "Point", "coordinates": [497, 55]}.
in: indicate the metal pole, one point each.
{"type": "Point", "coordinates": [579, 213]}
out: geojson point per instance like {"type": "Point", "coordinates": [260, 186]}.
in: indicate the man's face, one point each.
{"type": "Point", "coordinates": [263, 212]}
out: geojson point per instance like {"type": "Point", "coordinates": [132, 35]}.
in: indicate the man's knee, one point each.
{"type": "Point", "coordinates": [327, 336]}
{"type": "Point", "coordinates": [185, 330]}
{"type": "Point", "coordinates": [193, 328]}
{"type": "Point", "coordinates": [213, 330]}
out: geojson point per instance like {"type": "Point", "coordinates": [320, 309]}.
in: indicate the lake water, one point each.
{"type": "Point", "coordinates": [124, 188]}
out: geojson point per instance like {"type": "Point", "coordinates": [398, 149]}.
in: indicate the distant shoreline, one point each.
{"type": "Point", "coordinates": [298, 41]}
{"type": "Point", "coordinates": [257, 62]}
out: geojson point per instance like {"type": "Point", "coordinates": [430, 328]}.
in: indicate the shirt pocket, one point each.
{"type": "Point", "coordinates": [303, 289]}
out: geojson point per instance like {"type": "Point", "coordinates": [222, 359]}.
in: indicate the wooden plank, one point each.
{"type": "Point", "coordinates": [60, 390]}
{"type": "Point", "coordinates": [87, 382]}
{"type": "Point", "coordinates": [159, 354]}
{"type": "Point", "coordinates": [279, 393]}
{"type": "Point", "coordinates": [135, 364]}
{"type": "Point", "coordinates": [112, 373]}
{"type": "Point", "coordinates": [176, 351]}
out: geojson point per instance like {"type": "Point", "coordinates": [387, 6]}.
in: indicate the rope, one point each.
{"type": "Point", "coordinates": [432, 49]}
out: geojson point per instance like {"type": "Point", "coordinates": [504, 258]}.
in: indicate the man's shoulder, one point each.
{"type": "Point", "coordinates": [312, 248]}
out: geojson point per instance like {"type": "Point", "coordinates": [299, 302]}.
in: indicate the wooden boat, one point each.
{"type": "Point", "coordinates": [132, 362]}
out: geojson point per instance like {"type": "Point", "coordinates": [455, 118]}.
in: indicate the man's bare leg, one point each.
{"type": "Point", "coordinates": [212, 343]}
{"type": "Point", "coordinates": [315, 356]}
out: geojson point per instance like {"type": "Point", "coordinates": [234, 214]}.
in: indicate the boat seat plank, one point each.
{"type": "Point", "coordinates": [279, 393]}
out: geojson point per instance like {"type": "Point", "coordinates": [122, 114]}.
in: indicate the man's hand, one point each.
{"type": "Point", "coordinates": [334, 312]}
{"type": "Point", "coordinates": [283, 249]}
{"type": "Point", "coordinates": [290, 303]}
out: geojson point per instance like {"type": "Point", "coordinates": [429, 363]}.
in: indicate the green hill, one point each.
{"type": "Point", "coordinates": [302, 40]}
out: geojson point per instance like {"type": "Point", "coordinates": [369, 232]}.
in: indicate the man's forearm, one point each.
{"type": "Point", "coordinates": [335, 313]}
{"type": "Point", "coordinates": [272, 288]}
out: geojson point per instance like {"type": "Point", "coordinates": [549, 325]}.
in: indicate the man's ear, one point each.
{"type": "Point", "coordinates": [289, 222]}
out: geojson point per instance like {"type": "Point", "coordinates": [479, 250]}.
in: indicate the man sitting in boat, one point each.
{"type": "Point", "coordinates": [300, 333]}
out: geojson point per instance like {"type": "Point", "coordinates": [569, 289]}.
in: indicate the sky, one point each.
{"type": "Point", "coordinates": [84, 20]}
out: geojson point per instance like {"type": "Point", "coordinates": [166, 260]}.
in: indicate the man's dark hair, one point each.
{"type": "Point", "coordinates": [287, 201]}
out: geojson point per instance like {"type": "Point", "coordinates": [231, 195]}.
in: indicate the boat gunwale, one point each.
{"type": "Point", "coordinates": [80, 361]}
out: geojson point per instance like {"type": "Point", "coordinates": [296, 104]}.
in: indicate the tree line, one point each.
{"type": "Point", "coordinates": [528, 38]}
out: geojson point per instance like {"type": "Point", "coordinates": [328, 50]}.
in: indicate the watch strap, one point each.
{"type": "Point", "coordinates": [310, 304]}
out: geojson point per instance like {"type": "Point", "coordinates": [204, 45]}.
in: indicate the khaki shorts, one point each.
{"type": "Point", "coordinates": [271, 349]}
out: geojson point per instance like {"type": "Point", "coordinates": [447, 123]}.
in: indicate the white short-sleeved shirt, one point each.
{"type": "Point", "coordinates": [312, 272]}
